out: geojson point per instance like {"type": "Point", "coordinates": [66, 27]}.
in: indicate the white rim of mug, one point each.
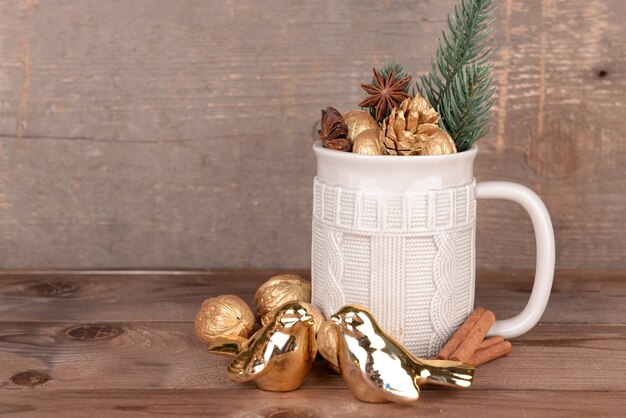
{"type": "Point", "coordinates": [317, 147]}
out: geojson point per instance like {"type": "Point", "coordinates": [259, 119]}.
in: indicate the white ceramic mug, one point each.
{"type": "Point", "coordinates": [397, 235]}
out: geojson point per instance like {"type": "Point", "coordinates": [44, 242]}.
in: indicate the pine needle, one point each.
{"type": "Point", "coordinates": [465, 105]}
{"type": "Point", "coordinates": [459, 83]}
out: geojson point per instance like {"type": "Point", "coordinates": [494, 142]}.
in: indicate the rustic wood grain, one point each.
{"type": "Point", "coordinates": [167, 355]}
{"type": "Point", "coordinates": [577, 297]}
{"type": "Point", "coordinates": [118, 344]}
{"type": "Point", "coordinates": [158, 134]}
{"type": "Point", "coordinates": [306, 403]}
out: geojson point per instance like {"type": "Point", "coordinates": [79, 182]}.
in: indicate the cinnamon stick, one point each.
{"type": "Point", "coordinates": [458, 337]}
{"type": "Point", "coordinates": [490, 353]}
{"type": "Point", "coordinates": [488, 342]}
{"type": "Point", "coordinates": [474, 337]}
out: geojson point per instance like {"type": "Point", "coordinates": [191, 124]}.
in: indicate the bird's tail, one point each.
{"type": "Point", "coordinates": [445, 373]}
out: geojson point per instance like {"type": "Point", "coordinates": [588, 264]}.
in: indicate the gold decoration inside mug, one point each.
{"type": "Point", "coordinates": [358, 121]}
{"type": "Point", "coordinates": [280, 355]}
{"type": "Point", "coordinates": [435, 140]}
{"type": "Point", "coordinates": [378, 369]}
{"type": "Point", "coordinates": [368, 142]}
{"type": "Point", "coordinates": [410, 126]}
{"type": "Point", "coordinates": [223, 316]}
{"type": "Point", "coordinates": [279, 290]}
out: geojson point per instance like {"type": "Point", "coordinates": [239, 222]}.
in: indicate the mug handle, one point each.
{"type": "Point", "coordinates": [544, 238]}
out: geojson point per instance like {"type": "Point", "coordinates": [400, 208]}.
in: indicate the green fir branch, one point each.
{"type": "Point", "coordinates": [455, 84]}
{"type": "Point", "coordinates": [398, 68]}
{"type": "Point", "coordinates": [465, 105]}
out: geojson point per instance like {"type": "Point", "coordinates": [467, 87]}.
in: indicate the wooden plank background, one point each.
{"type": "Point", "coordinates": [158, 134]}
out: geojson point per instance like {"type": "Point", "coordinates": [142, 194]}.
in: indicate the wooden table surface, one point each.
{"type": "Point", "coordinates": [122, 344]}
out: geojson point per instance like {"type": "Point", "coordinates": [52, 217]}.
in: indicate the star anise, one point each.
{"type": "Point", "coordinates": [385, 93]}
{"type": "Point", "coordinates": [334, 132]}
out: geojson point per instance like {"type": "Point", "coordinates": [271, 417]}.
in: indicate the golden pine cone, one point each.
{"type": "Point", "coordinates": [412, 129]}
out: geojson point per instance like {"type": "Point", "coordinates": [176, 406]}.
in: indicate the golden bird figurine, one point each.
{"type": "Point", "coordinates": [279, 356]}
{"type": "Point", "coordinates": [228, 345]}
{"type": "Point", "coordinates": [376, 368]}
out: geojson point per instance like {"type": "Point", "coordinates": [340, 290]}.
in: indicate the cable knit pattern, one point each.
{"type": "Point", "coordinates": [409, 258]}
{"type": "Point", "coordinates": [442, 302]}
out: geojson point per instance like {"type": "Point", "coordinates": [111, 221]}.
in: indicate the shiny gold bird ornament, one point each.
{"type": "Point", "coordinates": [279, 290]}
{"type": "Point", "coordinates": [227, 345]}
{"type": "Point", "coordinates": [280, 355]}
{"type": "Point", "coordinates": [223, 316]}
{"type": "Point", "coordinates": [318, 317]}
{"type": "Point", "coordinates": [378, 369]}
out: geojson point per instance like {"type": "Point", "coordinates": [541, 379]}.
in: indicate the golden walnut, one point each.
{"type": "Point", "coordinates": [436, 141]}
{"type": "Point", "coordinates": [358, 121]}
{"type": "Point", "coordinates": [327, 343]}
{"type": "Point", "coordinates": [368, 142]}
{"type": "Point", "coordinates": [279, 290]}
{"type": "Point", "coordinates": [223, 316]}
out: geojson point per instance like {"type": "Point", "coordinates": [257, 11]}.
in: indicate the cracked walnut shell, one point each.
{"type": "Point", "coordinates": [279, 290]}
{"type": "Point", "coordinates": [223, 316]}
